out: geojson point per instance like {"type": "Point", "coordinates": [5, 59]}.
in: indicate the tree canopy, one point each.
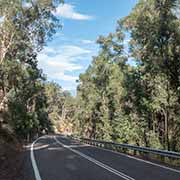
{"type": "Point", "coordinates": [116, 100]}
{"type": "Point", "coordinates": [25, 29]}
{"type": "Point", "coordinates": [135, 104]}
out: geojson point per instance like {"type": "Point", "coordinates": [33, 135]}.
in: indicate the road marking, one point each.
{"type": "Point", "coordinates": [77, 146]}
{"type": "Point", "coordinates": [41, 147]}
{"type": "Point", "coordinates": [114, 171]}
{"type": "Point", "coordinates": [138, 159]}
{"type": "Point", "coordinates": [33, 161]}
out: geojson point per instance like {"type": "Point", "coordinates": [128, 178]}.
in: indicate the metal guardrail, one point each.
{"type": "Point", "coordinates": [105, 144]}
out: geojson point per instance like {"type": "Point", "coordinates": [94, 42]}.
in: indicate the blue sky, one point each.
{"type": "Point", "coordinates": [71, 50]}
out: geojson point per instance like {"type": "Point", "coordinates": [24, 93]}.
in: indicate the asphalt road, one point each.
{"type": "Point", "coordinates": [60, 158]}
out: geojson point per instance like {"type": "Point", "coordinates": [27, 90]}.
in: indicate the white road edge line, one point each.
{"type": "Point", "coordinates": [33, 161]}
{"type": "Point", "coordinates": [138, 159]}
{"type": "Point", "coordinates": [114, 171]}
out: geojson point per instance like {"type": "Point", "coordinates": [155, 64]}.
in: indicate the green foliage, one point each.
{"type": "Point", "coordinates": [135, 104]}
{"type": "Point", "coordinates": [115, 101]}
{"type": "Point", "coordinates": [60, 105]}
{"type": "Point", "coordinates": [23, 33]}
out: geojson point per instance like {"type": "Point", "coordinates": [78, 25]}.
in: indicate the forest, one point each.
{"type": "Point", "coordinates": [136, 104]}
{"type": "Point", "coordinates": [127, 95]}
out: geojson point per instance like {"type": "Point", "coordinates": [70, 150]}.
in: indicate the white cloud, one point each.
{"type": "Point", "coordinates": [64, 65]}
{"type": "Point", "coordinates": [1, 19]}
{"type": "Point", "coordinates": [49, 50]}
{"type": "Point", "coordinates": [64, 77]}
{"type": "Point", "coordinates": [126, 41]}
{"type": "Point", "coordinates": [72, 51]}
{"type": "Point", "coordinates": [26, 5]}
{"type": "Point", "coordinates": [59, 63]}
{"type": "Point", "coordinates": [86, 41]}
{"type": "Point", "coordinates": [69, 88]}
{"type": "Point", "coordinates": [68, 11]}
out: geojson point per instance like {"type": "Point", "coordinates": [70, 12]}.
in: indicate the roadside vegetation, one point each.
{"type": "Point", "coordinates": [24, 31]}
{"type": "Point", "coordinates": [25, 27]}
{"type": "Point", "coordinates": [129, 94]}
{"type": "Point", "coordinates": [137, 104]}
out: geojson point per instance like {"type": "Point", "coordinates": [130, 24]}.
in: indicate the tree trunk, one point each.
{"type": "Point", "coordinates": [166, 129]}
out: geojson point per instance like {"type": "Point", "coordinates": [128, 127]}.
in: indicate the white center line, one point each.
{"type": "Point", "coordinates": [114, 171]}
{"type": "Point", "coordinates": [33, 161]}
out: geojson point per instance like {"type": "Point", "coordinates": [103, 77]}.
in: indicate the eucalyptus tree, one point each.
{"type": "Point", "coordinates": [135, 104]}
{"type": "Point", "coordinates": [154, 28]}
{"type": "Point", "coordinates": [25, 28]}
{"type": "Point", "coordinates": [100, 88]}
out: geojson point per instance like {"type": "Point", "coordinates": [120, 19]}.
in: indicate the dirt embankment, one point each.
{"type": "Point", "coordinates": [11, 157]}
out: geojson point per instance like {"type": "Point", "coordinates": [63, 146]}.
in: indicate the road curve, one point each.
{"type": "Point", "coordinates": [57, 157]}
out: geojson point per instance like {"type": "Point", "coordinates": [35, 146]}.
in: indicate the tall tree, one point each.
{"type": "Point", "coordinates": [26, 27]}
